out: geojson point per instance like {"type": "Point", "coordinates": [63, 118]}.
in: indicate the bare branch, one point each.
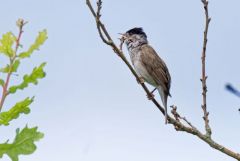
{"type": "Point", "coordinates": [178, 117]}
{"type": "Point", "coordinates": [98, 15]}
{"type": "Point", "coordinates": [204, 77]}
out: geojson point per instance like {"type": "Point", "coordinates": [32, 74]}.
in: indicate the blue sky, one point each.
{"type": "Point", "coordinates": [91, 108]}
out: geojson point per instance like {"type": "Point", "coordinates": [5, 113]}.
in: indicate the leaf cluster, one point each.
{"type": "Point", "coordinates": [24, 142]}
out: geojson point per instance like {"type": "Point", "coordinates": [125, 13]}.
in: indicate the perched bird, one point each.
{"type": "Point", "coordinates": [147, 64]}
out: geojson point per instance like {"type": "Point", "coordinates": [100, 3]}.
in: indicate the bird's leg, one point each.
{"type": "Point", "coordinates": [154, 90]}
{"type": "Point", "coordinates": [140, 80]}
{"type": "Point", "coordinates": [151, 95]}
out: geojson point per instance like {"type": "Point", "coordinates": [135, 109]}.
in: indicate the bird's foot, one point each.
{"type": "Point", "coordinates": [150, 96]}
{"type": "Point", "coordinates": [140, 80]}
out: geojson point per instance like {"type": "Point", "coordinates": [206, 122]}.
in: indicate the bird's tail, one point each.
{"type": "Point", "coordinates": [164, 97]}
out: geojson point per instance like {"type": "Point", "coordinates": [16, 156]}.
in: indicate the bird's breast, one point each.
{"type": "Point", "coordinates": [140, 67]}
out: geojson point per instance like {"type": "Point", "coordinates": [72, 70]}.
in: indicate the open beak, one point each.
{"type": "Point", "coordinates": [123, 38]}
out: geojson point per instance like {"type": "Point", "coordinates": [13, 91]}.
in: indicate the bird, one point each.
{"type": "Point", "coordinates": [147, 64]}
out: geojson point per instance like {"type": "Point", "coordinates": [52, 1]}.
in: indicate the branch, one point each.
{"type": "Point", "coordinates": [171, 120]}
{"type": "Point", "coordinates": [20, 24]}
{"type": "Point", "coordinates": [204, 77]}
{"type": "Point", "coordinates": [178, 117]}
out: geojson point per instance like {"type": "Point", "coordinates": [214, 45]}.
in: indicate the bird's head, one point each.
{"type": "Point", "coordinates": [134, 37]}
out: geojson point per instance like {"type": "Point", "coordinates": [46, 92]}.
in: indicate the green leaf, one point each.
{"type": "Point", "coordinates": [6, 44]}
{"type": "Point", "coordinates": [13, 68]}
{"type": "Point", "coordinates": [2, 82]}
{"type": "Point", "coordinates": [41, 38]}
{"type": "Point", "coordinates": [23, 144]}
{"type": "Point", "coordinates": [36, 74]}
{"type": "Point", "coordinates": [15, 65]}
{"type": "Point", "coordinates": [5, 69]}
{"type": "Point", "coordinates": [15, 111]}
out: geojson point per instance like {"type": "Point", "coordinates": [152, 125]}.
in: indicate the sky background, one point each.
{"type": "Point", "coordinates": [89, 105]}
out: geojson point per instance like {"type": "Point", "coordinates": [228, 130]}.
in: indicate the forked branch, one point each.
{"type": "Point", "coordinates": [177, 119]}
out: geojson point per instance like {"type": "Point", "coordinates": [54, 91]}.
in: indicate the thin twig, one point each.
{"type": "Point", "coordinates": [189, 123]}
{"type": "Point", "coordinates": [174, 121]}
{"type": "Point", "coordinates": [204, 77]}
{"type": "Point", "coordinates": [20, 24]}
{"type": "Point", "coordinates": [178, 117]}
{"type": "Point", "coordinates": [98, 22]}
{"type": "Point", "coordinates": [5, 91]}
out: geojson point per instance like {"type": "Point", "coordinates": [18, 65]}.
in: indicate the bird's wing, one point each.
{"type": "Point", "coordinates": [156, 67]}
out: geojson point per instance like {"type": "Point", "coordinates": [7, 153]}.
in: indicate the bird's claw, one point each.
{"type": "Point", "coordinates": [140, 80]}
{"type": "Point", "coordinates": [150, 96]}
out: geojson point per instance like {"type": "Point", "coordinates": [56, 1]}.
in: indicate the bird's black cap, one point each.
{"type": "Point", "coordinates": [136, 30]}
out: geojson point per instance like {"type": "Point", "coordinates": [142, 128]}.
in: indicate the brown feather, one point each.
{"type": "Point", "coordinates": [156, 67]}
